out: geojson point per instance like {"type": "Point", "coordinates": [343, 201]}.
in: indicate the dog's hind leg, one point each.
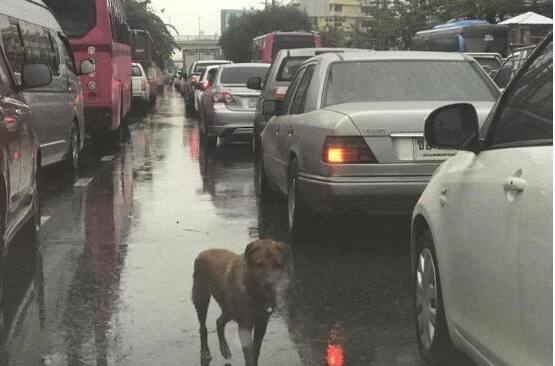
{"type": "Point", "coordinates": [220, 325]}
{"type": "Point", "coordinates": [201, 299]}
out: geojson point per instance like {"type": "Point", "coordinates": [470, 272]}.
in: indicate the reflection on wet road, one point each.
{"type": "Point", "coordinates": [110, 283]}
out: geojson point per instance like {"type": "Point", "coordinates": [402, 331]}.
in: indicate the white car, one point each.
{"type": "Point", "coordinates": [481, 236]}
{"type": "Point", "coordinates": [141, 86]}
{"type": "Point", "coordinates": [202, 86]}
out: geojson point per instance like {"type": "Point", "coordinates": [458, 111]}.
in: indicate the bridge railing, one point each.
{"type": "Point", "coordinates": [190, 38]}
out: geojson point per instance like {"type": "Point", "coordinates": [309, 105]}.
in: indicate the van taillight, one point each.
{"type": "Point", "coordinates": [347, 150]}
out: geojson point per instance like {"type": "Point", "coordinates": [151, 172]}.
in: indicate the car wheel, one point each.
{"type": "Point", "coordinates": [261, 186]}
{"type": "Point", "coordinates": [432, 334]}
{"type": "Point", "coordinates": [296, 211]}
{"type": "Point", "coordinates": [74, 149]}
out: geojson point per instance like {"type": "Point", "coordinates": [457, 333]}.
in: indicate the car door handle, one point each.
{"type": "Point", "coordinates": [514, 184]}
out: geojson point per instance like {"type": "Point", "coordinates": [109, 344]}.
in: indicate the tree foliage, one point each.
{"type": "Point", "coordinates": [236, 42]}
{"type": "Point", "coordinates": [394, 27]}
{"type": "Point", "coordinates": [140, 15]}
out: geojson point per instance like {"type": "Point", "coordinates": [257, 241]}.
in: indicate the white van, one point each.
{"type": "Point", "coordinates": [30, 34]}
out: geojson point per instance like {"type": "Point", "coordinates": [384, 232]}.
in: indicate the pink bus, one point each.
{"type": "Point", "coordinates": [265, 48]}
{"type": "Point", "coordinates": [98, 32]}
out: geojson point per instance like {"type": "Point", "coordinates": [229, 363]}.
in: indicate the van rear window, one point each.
{"type": "Point", "coordinates": [289, 67]}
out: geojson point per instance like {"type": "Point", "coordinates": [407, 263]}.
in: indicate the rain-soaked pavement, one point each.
{"type": "Point", "coordinates": [110, 282]}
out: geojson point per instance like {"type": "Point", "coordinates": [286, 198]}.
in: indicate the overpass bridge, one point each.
{"type": "Point", "coordinates": [193, 48]}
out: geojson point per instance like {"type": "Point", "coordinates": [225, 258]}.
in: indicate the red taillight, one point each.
{"type": "Point", "coordinates": [204, 85]}
{"type": "Point", "coordinates": [143, 85]}
{"type": "Point", "coordinates": [335, 355]}
{"type": "Point", "coordinates": [223, 98]}
{"type": "Point", "coordinates": [347, 150]}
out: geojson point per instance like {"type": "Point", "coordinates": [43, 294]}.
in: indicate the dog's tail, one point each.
{"type": "Point", "coordinates": [200, 295]}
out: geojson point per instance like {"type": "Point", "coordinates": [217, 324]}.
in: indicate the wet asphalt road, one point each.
{"type": "Point", "coordinates": [110, 282]}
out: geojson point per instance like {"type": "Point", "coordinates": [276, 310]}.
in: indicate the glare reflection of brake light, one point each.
{"type": "Point", "coordinates": [223, 98]}
{"type": "Point", "coordinates": [347, 150]}
{"type": "Point", "coordinates": [335, 356]}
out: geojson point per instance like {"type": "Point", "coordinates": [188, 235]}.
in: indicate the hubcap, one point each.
{"type": "Point", "coordinates": [74, 147]}
{"type": "Point", "coordinates": [426, 298]}
{"type": "Point", "coordinates": [291, 202]}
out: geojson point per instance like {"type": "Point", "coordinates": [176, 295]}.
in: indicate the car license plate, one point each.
{"type": "Point", "coordinates": [422, 151]}
{"type": "Point", "coordinates": [252, 102]}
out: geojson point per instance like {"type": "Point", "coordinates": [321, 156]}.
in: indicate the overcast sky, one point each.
{"type": "Point", "coordinates": [183, 14]}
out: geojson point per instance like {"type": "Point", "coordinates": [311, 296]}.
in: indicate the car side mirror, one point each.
{"type": "Point", "coordinates": [454, 126]}
{"type": "Point", "coordinates": [87, 67]}
{"type": "Point", "coordinates": [255, 83]}
{"type": "Point", "coordinates": [35, 75]}
{"type": "Point", "coordinates": [272, 108]}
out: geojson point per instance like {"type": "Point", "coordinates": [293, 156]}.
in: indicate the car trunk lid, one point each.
{"type": "Point", "coordinates": [245, 99]}
{"type": "Point", "coordinates": [394, 131]}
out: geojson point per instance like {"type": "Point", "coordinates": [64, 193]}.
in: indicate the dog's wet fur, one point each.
{"type": "Point", "coordinates": [246, 287]}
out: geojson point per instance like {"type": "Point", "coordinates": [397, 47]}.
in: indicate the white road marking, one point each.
{"type": "Point", "coordinates": [83, 182]}
{"type": "Point", "coordinates": [107, 158]}
{"type": "Point", "coordinates": [44, 219]}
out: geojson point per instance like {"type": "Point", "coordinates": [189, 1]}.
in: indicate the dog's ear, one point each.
{"type": "Point", "coordinates": [251, 248]}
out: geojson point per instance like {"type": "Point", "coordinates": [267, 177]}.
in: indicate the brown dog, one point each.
{"type": "Point", "coordinates": [245, 287]}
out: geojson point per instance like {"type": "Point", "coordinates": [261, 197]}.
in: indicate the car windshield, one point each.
{"type": "Point", "coordinates": [288, 68]}
{"type": "Point", "coordinates": [76, 17]}
{"type": "Point", "coordinates": [240, 75]}
{"type": "Point", "coordinates": [389, 81]}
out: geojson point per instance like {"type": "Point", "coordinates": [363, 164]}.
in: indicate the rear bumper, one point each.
{"type": "Point", "coordinates": [226, 122]}
{"type": "Point", "coordinates": [369, 195]}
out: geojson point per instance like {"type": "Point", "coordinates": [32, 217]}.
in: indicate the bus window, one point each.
{"type": "Point", "coordinates": [76, 17]}
{"type": "Point", "coordinates": [290, 42]}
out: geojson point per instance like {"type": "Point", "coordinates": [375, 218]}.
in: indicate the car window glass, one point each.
{"type": "Point", "coordinates": [6, 87]}
{"type": "Point", "coordinates": [504, 74]}
{"type": "Point", "coordinates": [136, 71]}
{"type": "Point", "coordinates": [212, 76]}
{"type": "Point", "coordinates": [13, 47]}
{"type": "Point", "coordinates": [67, 54]}
{"type": "Point", "coordinates": [527, 112]}
{"type": "Point", "coordinates": [291, 89]}
{"type": "Point", "coordinates": [299, 100]}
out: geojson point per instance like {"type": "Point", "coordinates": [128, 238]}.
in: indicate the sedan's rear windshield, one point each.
{"type": "Point", "coordinates": [391, 81]}
{"type": "Point", "coordinates": [240, 75]}
{"type": "Point", "coordinates": [76, 17]}
{"type": "Point", "coordinates": [199, 69]}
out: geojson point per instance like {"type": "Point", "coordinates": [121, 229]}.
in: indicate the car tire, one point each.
{"type": "Point", "coordinates": [296, 210]}
{"type": "Point", "coordinates": [74, 148]}
{"type": "Point", "coordinates": [34, 223]}
{"type": "Point", "coordinates": [261, 186]}
{"type": "Point", "coordinates": [434, 343]}
{"type": "Point", "coordinates": [206, 139]}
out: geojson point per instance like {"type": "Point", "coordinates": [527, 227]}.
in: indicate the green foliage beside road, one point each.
{"type": "Point", "coordinates": [236, 42]}
{"type": "Point", "coordinates": [141, 16]}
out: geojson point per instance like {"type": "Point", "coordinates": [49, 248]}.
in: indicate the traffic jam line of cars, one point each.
{"type": "Point", "coordinates": [392, 132]}
{"type": "Point", "coordinates": [48, 104]}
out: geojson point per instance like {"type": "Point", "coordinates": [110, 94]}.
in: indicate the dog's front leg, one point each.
{"type": "Point", "coordinates": [245, 335]}
{"type": "Point", "coordinates": [260, 326]}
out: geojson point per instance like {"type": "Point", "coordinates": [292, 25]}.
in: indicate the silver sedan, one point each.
{"type": "Point", "coordinates": [227, 106]}
{"type": "Point", "coordinates": [349, 135]}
